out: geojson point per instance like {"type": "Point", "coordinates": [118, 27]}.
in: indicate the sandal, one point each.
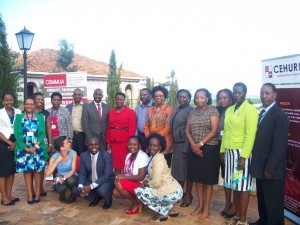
{"type": "Point", "coordinates": [242, 223]}
{"type": "Point", "coordinates": [233, 220]}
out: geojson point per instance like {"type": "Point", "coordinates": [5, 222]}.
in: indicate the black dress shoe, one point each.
{"type": "Point", "coordinates": [62, 198]}
{"type": "Point", "coordinates": [107, 204]}
{"type": "Point", "coordinates": [71, 199]}
{"type": "Point", "coordinates": [256, 223]}
{"type": "Point", "coordinates": [94, 202]}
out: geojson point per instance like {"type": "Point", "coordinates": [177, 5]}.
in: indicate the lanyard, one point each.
{"type": "Point", "coordinates": [131, 160]}
{"type": "Point", "coordinates": [51, 114]}
{"type": "Point", "coordinates": [11, 117]}
{"type": "Point", "coordinates": [149, 164]}
{"type": "Point", "coordinates": [28, 116]}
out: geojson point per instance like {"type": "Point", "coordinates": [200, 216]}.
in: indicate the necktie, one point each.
{"type": "Point", "coordinates": [261, 115]}
{"type": "Point", "coordinates": [99, 110]}
{"type": "Point", "coordinates": [93, 169]}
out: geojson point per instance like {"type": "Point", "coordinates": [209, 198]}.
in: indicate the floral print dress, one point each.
{"type": "Point", "coordinates": [28, 162]}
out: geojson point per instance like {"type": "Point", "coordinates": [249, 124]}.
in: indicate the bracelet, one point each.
{"type": "Point", "coordinates": [50, 145]}
{"type": "Point", "coordinates": [64, 178]}
{"type": "Point", "coordinates": [37, 146]}
{"type": "Point", "coordinates": [201, 143]}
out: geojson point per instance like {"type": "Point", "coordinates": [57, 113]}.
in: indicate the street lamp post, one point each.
{"type": "Point", "coordinates": [25, 38]}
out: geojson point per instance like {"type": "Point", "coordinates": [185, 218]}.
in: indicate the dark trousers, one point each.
{"type": "Point", "coordinates": [69, 183]}
{"type": "Point", "coordinates": [270, 201]}
{"type": "Point", "coordinates": [143, 141]}
{"type": "Point", "coordinates": [104, 190]}
{"type": "Point", "coordinates": [79, 142]}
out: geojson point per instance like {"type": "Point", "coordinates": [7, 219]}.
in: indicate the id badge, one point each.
{"type": "Point", "coordinates": [221, 133]}
{"type": "Point", "coordinates": [53, 126]}
{"type": "Point", "coordinates": [30, 134]}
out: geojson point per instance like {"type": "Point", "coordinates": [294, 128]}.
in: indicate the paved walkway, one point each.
{"type": "Point", "coordinates": [51, 211]}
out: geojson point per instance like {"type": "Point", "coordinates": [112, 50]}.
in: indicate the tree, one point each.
{"type": "Point", "coordinates": [8, 82]}
{"type": "Point", "coordinates": [172, 101]}
{"type": "Point", "coordinates": [114, 80]}
{"type": "Point", "coordinates": [149, 83]}
{"type": "Point", "coordinates": [65, 56]}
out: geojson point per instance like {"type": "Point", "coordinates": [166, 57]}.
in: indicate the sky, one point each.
{"type": "Point", "coordinates": [209, 44]}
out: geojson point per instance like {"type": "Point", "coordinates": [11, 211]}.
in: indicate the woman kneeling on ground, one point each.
{"type": "Point", "coordinates": [159, 191]}
{"type": "Point", "coordinates": [64, 160]}
{"type": "Point", "coordinates": [132, 175]}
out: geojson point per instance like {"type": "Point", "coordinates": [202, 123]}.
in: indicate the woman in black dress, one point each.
{"type": "Point", "coordinates": [7, 145]}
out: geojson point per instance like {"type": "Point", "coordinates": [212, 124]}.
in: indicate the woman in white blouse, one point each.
{"type": "Point", "coordinates": [7, 145]}
{"type": "Point", "coordinates": [133, 173]}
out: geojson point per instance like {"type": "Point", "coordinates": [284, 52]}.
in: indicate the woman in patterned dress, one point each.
{"type": "Point", "coordinates": [29, 129]}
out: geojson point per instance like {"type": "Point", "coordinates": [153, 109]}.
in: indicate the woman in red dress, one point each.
{"type": "Point", "coordinates": [121, 126]}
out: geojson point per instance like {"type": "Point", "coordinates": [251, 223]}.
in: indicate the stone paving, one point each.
{"type": "Point", "coordinates": [51, 211]}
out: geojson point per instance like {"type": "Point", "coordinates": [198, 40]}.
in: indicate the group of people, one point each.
{"type": "Point", "coordinates": [150, 155]}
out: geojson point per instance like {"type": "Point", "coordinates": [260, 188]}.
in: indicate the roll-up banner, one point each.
{"type": "Point", "coordinates": [284, 73]}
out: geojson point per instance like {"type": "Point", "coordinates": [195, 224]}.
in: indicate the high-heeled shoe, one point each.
{"type": "Point", "coordinates": [138, 210]}
{"type": "Point", "coordinates": [187, 204]}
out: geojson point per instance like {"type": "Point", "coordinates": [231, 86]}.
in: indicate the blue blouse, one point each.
{"type": "Point", "coordinates": [63, 168]}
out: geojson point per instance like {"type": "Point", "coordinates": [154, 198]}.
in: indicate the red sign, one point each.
{"type": "Point", "coordinates": [54, 80]}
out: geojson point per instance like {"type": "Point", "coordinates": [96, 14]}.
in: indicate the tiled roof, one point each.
{"type": "Point", "coordinates": [44, 60]}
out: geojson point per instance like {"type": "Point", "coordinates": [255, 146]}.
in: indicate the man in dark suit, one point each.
{"type": "Point", "coordinates": [76, 109]}
{"type": "Point", "coordinates": [96, 177]}
{"type": "Point", "coordinates": [268, 162]}
{"type": "Point", "coordinates": [95, 118]}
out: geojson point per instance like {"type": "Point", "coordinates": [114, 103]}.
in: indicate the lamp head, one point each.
{"type": "Point", "coordinates": [24, 38]}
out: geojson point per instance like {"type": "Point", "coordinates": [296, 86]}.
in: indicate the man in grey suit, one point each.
{"type": "Point", "coordinates": [95, 118]}
{"type": "Point", "coordinates": [268, 162]}
{"type": "Point", "coordinates": [76, 109]}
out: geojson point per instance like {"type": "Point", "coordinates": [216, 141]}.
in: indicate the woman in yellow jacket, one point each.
{"type": "Point", "coordinates": [159, 191]}
{"type": "Point", "coordinates": [238, 138]}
